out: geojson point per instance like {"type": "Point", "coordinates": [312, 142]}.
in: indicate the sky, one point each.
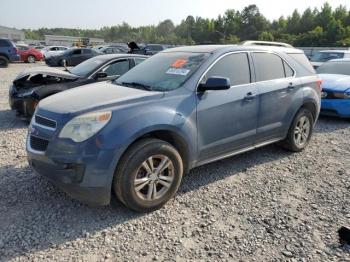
{"type": "Point", "coordinates": [92, 14]}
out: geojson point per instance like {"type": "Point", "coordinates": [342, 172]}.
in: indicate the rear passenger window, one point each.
{"type": "Point", "coordinates": [288, 70]}
{"type": "Point", "coordinates": [4, 43]}
{"type": "Point", "coordinates": [268, 66]}
{"type": "Point", "coordinates": [234, 66]}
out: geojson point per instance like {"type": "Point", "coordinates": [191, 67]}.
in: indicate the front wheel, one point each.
{"type": "Point", "coordinates": [300, 132]}
{"type": "Point", "coordinates": [149, 174]}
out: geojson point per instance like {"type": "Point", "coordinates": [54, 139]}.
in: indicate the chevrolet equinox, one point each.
{"type": "Point", "coordinates": [182, 108]}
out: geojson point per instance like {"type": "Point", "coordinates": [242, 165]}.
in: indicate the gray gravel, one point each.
{"type": "Point", "coordinates": [267, 204]}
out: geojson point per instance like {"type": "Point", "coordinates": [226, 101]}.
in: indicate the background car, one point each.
{"type": "Point", "coordinates": [335, 75]}
{"type": "Point", "coordinates": [71, 57]}
{"type": "Point", "coordinates": [179, 109]}
{"type": "Point", "coordinates": [29, 54]}
{"type": "Point", "coordinates": [147, 49]}
{"type": "Point", "coordinates": [53, 50]}
{"type": "Point", "coordinates": [37, 83]}
{"type": "Point", "coordinates": [323, 56]}
{"type": "Point", "coordinates": [113, 50]}
{"type": "Point", "coordinates": [8, 52]}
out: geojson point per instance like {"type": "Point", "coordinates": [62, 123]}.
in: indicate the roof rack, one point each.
{"type": "Point", "coordinates": [266, 43]}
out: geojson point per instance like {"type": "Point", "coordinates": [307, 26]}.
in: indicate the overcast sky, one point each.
{"type": "Point", "coordinates": [95, 14]}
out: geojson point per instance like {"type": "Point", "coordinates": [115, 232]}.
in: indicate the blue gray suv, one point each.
{"type": "Point", "coordinates": [182, 108]}
{"type": "Point", "coordinates": [8, 52]}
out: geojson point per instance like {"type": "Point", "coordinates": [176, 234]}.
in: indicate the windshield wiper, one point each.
{"type": "Point", "coordinates": [137, 85]}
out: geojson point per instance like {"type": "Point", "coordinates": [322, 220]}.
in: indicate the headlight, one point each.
{"type": "Point", "coordinates": [27, 93]}
{"type": "Point", "coordinates": [323, 94]}
{"type": "Point", "coordinates": [347, 94]}
{"type": "Point", "coordinates": [85, 126]}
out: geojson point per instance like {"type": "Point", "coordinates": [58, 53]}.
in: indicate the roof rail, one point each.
{"type": "Point", "coordinates": [265, 43]}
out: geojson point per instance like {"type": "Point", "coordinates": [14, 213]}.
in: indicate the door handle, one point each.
{"type": "Point", "coordinates": [249, 96]}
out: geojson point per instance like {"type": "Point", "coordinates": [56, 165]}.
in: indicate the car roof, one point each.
{"type": "Point", "coordinates": [335, 51]}
{"type": "Point", "coordinates": [228, 48]}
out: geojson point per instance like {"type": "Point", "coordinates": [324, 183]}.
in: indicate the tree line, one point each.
{"type": "Point", "coordinates": [314, 27]}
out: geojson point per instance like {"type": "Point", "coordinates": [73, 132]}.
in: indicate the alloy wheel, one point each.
{"type": "Point", "coordinates": [154, 178]}
{"type": "Point", "coordinates": [31, 59]}
{"type": "Point", "coordinates": [302, 131]}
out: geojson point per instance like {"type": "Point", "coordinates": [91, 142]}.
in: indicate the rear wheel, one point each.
{"type": "Point", "coordinates": [31, 59]}
{"type": "Point", "coordinates": [300, 132]}
{"type": "Point", "coordinates": [3, 61]}
{"type": "Point", "coordinates": [149, 174]}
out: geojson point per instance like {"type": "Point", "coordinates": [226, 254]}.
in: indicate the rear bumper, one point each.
{"type": "Point", "coordinates": [336, 107]}
{"type": "Point", "coordinates": [14, 57]}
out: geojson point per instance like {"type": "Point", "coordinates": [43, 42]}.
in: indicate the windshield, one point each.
{"type": "Point", "coordinates": [340, 68]}
{"type": "Point", "coordinates": [86, 67]}
{"type": "Point", "coordinates": [325, 56]}
{"type": "Point", "coordinates": [163, 72]}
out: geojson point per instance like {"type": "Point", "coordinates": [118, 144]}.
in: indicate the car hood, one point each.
{"type": "Point", "coordinates": [334, 82]}
{"type": "Point", "coordinates": [43, 70]}
{"type": "Point", "coordinates": [95, 97]}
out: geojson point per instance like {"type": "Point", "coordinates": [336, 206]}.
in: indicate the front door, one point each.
{"type": "Point", "coordinates": [227, 119]}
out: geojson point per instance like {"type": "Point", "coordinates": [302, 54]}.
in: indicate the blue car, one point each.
{"type": "Point", "coordinates": [8, 52]}
{"type": "Point", "coordinates": [335, 76]}
{"type": "Point", "coordinates": [184, 107]}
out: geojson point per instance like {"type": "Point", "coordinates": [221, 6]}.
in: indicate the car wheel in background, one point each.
{"type": "Point", "coordinates": [3, 61]}
{"type": "Point", "coordinates": [149, 174]}
{"type": "Point", "coordinates": [300, 131]}
{"type": "Point", "coordinates": [63, 63]}
{"type": "Point", "coordinates": [31, 59]}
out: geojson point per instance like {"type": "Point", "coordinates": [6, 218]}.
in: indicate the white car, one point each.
{"type": "Point", "coordinates": [53, 50]}
{"type": "Point", "coordinates": [325, 55]}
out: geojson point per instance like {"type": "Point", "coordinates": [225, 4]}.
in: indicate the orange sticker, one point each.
{"type": "Point", "coordinates": [179, 63]}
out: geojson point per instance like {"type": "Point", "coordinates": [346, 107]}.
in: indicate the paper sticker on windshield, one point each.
{"type": "Point", "coordinates": [178, 71]}
{"type": "Point", "coordinates": [179, 63]}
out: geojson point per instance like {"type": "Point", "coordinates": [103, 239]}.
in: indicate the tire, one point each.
{"type": "Point", "coordinates": [133, 169]}
{"type": "Point", "coordinates": [300, 131]}
{"type": "Point", "coordinates": [31, 59]}
{"type": "Point", "coordinates": [4, 61]}
{"type": "Point", "coordinates": [61, 62]}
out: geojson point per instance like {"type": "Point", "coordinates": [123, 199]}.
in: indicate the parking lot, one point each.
{"type": "Point", "coordinates": [268, 204]}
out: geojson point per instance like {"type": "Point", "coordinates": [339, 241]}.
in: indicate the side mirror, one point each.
{"type": "Point", "coordinates": [215, 83]}
{"type": "Point", "coordinates": [100, 75]}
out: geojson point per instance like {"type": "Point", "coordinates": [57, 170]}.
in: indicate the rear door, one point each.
{"type": "Point", "coordinates": [278, 88]}
{"type": "Point", "coordinates": [227, 119]}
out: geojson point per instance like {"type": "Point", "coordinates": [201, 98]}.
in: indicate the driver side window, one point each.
{"type": "Point", "coordinates": [117, 68]}
{"type": "Point", "coordinates": [234, 67]}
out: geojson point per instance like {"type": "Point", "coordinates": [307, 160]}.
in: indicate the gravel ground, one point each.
{"type": "Point", "coordinates": [264, 205]}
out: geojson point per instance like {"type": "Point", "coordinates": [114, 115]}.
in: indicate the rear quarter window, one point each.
{"type": "Point", "coordinates": [303, 61]}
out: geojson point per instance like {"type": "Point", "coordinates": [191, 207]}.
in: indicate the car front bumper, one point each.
{"type": "Point", "coordinates": [336, 107]}
{"type": "Point", "coordinates": [83, 170]}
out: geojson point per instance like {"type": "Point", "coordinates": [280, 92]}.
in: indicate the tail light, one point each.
{"type": "Point", "coordinates": [319, 84]}
{"type": "Point", "coordinates": [15, 50]}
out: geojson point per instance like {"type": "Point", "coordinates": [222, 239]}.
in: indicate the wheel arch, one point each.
{"type": "Point", "coordinates": [170, 136]}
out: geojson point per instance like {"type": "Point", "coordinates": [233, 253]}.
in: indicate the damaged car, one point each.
{"type": "Point", "coordinates": [37, 83]}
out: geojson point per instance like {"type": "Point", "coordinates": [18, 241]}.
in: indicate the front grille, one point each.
{"type": "Point", "coordinates": [45, 121]}
{"type": "Point", "coordinates": [38, 144]}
